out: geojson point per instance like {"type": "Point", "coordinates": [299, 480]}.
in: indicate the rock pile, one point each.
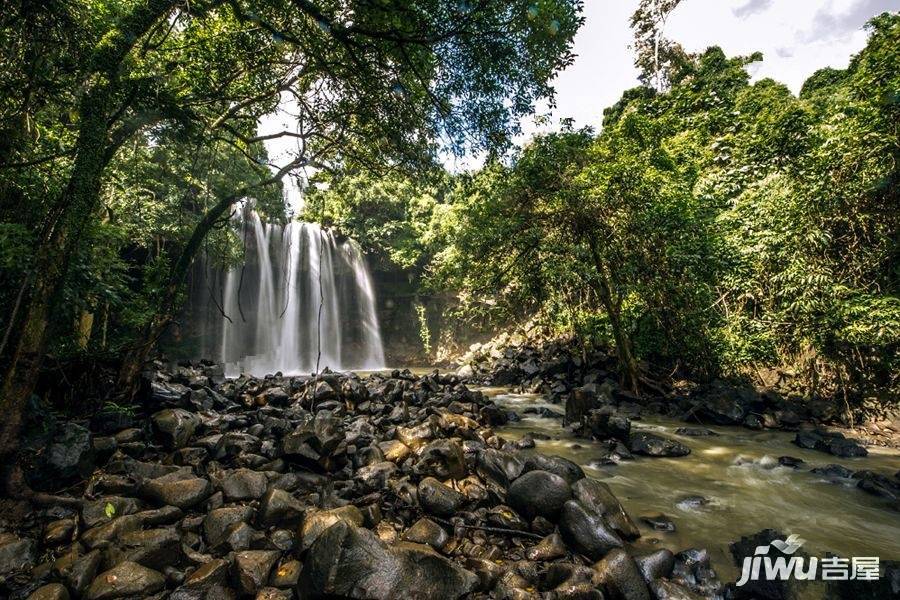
{"type": "Point", "coordinates": [295, 487]}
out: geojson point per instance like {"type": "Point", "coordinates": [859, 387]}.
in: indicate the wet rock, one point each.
{"type": "Point", "coordinates": [317, 521]}
{"type": "Point", "coordinates": [587, 531]}
{"type": "Point", "coordinates": [659, 522]}
{"type": "Point", "coordinates": [57, 533]}
{"type": "Point", "coordinates": [278, 507]}
{"type": "Point", "coordinates": [649, 444]}
{"type": "Point", "coordinates": [425, 531]}
{"type": "Point", "coordinates": [597, 497]}
{"type": "Point", "coordinates": [723, 404]}
{"type": "Point", "coordinates": [612, 452]}
{"type": "Point", "coordinates": [244, 484]}
{"type": "Point", "coordinates": [833, 471]}
{"type": "Point", "coordinates": [152, 548]}
{"type": "Point", "coordinates": [51, 591]}
{"type": "Point", "coordinates": [831, 442]}
{"type": "Point", "coordinates": [886, 586]}
{"type": "Point", "coordinates": [442, 459]}
{"type": "Point", "coordinates": [353, 562]}
{"type": "Point", "coordinates": [177, 490]}
{"type": "Point", "coordinates": [175, 426]}
{"type": "Point", "coordinates": [618, 575]}
{"type": "Point", "coordinates": [790, 461]}
{"type": "Point", "coordinates": [655, 565]}
{"type": "Point", "coordinates": [499, 467]}
{"type": "Point", "coordinates": [438, 499]}
{"type": "Point", "coordinates": [770, 589]}
{"type": "Point", "coordinates": [102, 510]}
{"type": "Point", "coordinates": [845, 448]}
{"type": "Point", "coordinates": [691, 502]}
{"type": "Point", "coordinates": [71, 454]}
{"type": "Point", "coordinates": [124, 580]}
{"type": "Point", "coordinates": [207, 581]}
{"type": "Point", "coordinates": [663, 589]}
{"type": "Point", "coordinates": [286, 575]}
{"type": "Point", "coordinates": [877, 484]}
{"type": "Point", "coordinates": [581, 401]}
{"type": "Point", "coordinates": [549, 548]}
{"type": "Point", "coordinates": [77, 571]}
{"type": "Point", "coordinates": [375, 477]}
{"type": "Point", "coordinates": [539, 493]}
{"type": "Point", "coordinates": [695, 431]}
{"type": "Point", "coordinates": [252, 568]}
{"type": "Point", "coordinates": [16, 553]}
{"type": "Point", "coordinates": [605, 423]}
{"type": "Point", "coordinates": [558, 465]}
{"type": "Point", "coordinates": [395, 451]}
{"type": "Point", "coordinates": [218, 521]}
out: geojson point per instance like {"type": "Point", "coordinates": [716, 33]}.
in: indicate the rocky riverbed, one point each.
{"type": "Point", "coordinates": [392, 486]}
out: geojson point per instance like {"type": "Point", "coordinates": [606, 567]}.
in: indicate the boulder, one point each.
{"type": "Point", "coordinates": [16, 553]}
{"type": "Point", "coordinates": [443, 459]}
{"type": "Point", "coordinates": [499, 467]}
{"type": "Point", "coordinates": [586, 531]}
{"type": "Point", "coordinates": [127, 579]}
{"type": "Point", "coordinates": [252, 568]}
{"type": "Point", "coordinates": [318, 521]}
{"type": "Point", "coordinates": [539, 494]}
{"type": "Point", "coordinates": [597, 496]}
{"type": "Point", "coordinates": [649, 444]}
{"type": "Point", "coordinates": [278, 507]}
{"type": "Point", "coordinates": [71, 453]}
{"type": "Point", "coordinates": [438, 499]}
{"type": "Point", "coordinates": [51, 591]}
{"type": "Point", "coordinates": [549, 548]}
{"type": "Point", "coordinates": [425, 531]}
{"type": "Point", "coordinates": [619, 577]}
{"type": "Point", "coordinates": [177, 490]}
{"type": "Point", "coordinates": [175, 426]}
{"type": "Point", "coordinates": [217, 522]}
{"type": "Point", "coordinates": [244, 484]}
{"type": "Point", "coordinates": [558, 465]}
{"type": "Point", "coordinates": [353, 562]}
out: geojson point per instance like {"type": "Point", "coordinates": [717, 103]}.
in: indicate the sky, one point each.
{"type": "Point", "coordinates": [796, 37]}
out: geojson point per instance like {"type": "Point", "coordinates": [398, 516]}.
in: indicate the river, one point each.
{"type": "Point", "coordinates": [738, 473]}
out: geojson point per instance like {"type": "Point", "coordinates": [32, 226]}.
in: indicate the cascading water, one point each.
{"type": "Point", "coordinates": [265, 316]}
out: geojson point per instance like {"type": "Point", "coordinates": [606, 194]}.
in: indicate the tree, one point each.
{"type": "Point", "coordinates": [655, 56]}
{"type": "Point", "coordinates": [379, 83]}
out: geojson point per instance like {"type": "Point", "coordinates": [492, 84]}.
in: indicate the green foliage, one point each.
{"type": "Point", "coordinates": [719, 225]}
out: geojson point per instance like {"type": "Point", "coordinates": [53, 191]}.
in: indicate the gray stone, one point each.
{"type": "Point", "coordinates": [352, 562]}
{"type": "Point", "coordinates": [175, 426]}
{"type": "Point", "coordinates": [438, 499]}
{"type": "Point", "coordinates": [539, 494]}
{"type": "Point", "coordinates": [124, 580]}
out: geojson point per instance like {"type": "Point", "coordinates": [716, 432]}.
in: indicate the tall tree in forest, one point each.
{"type": "Point", "coordinates": [655, 55]}
{"type": "Point", "coordinates": [382, 83]}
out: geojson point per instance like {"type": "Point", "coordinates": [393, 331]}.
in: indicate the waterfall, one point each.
{"type": "Point", "coordinates": [266, 314]}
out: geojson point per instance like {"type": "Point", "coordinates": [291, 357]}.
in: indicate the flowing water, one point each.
{"type": "Point", "coordinates": [738, 472]}
{"type": "Point", "coordinates": [302, 300]}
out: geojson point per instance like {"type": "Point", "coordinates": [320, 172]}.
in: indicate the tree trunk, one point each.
{"type": "Point", "coordinates": [627, 362]}
{"type": "Point", "coordinates": [68, 217]}
{"type": "Point", "coordinates": [137, 357]}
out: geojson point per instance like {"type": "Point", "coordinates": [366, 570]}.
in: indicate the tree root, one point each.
{"type": "Point", "coordinates": [18, 489]}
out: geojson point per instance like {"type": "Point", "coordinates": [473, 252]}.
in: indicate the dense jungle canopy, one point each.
{"type": "Point", "coordinates": [713, 226]}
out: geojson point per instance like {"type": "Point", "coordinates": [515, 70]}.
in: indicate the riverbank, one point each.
{"type": "Point", "coordinates": [394, 485]}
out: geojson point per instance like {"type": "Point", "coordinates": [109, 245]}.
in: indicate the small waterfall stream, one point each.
{"type": "Point", "coordinates": [272, 319]}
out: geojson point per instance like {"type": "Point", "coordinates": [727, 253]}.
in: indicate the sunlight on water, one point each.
{"type": "Point", "coordinates": [738, 474]}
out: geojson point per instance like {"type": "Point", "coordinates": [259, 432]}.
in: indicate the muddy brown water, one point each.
{"type": "Point", "coordinates": [738, 472]}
